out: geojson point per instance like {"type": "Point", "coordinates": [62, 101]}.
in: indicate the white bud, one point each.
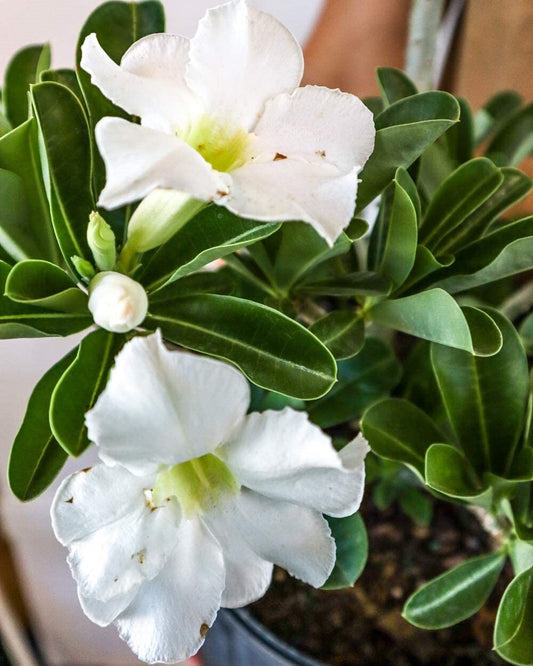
{"type": "Point", "coordinates": [117, 303]}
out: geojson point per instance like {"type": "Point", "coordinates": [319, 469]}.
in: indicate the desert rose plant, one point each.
{"type": "Point", "coordinates": [364, 285]}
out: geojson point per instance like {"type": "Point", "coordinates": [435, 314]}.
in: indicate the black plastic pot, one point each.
{"type": "Point", "coordinates": [237, 639]}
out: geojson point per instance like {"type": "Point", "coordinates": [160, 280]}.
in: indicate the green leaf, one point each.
{"type": "Point", "coordinates": [513, 631]}
{"type": "Point", "coordinates": [79, 387]}
{"type": "Point", "coordinates": [514, 187]}
{"type": "Point", "coordinates": [404, 130]}
{"type": "Point", "coordinates": [398, 430]}
{"type": "Point", "coordinates": [19, 320]}
{"type": "Point", "coordinates": [203, 282]}
{"type": "Point", "coordinates": [486, 398]}
{"type": "Point", "coordinates": [46, 285]}
{"type": "Point", "coordinates": [65, 137]}
{"type": "Point", "coordinates": [495, 112]}
{"type": "Point", "coordinates": [15, 231]}
{"type": "Point", "coordinates": [502, 253]}
{"type": "Point", "coordinates": [210, 235]}
{"type": "Point", "coordinates": [434, 315]}
{"type": "Point", "coordinates": [66, 77]}
{"type": "Point", "coordinates": [526, 333]}
{"type": "Point", "coordinates": [117, 25]}
{"type": "Point", "coordinates": [342, 332]}
{"type": "Point", "coordinates": [514, 139]}
{"type": "Point", "coordinates": [425, 264]}
{"type": "Point", "coordinates": [463, 192]}
{"type": "Point", "coordinates": [19, 153]}
{"type": "Point", "coordinates": [272, 350]}
{"type": "Point", "coordinates": [300, 250]}
{"type": "Point", "coordinates": [361, 283]}
{"type": "Point", "coordinates": [449, 471]}
{"type": "Point", "coordinates": [459, 139]}
{"type": "Point", "coordinates": [455, 595]}
{"type": "Point", "coordinates": [401, 239]}
{"type": "Point", "coordinates": [352, 551]}
{"type": "Point", "coordinates": [23, 70]}
{"type": "Point", "coordinates": [362, 380]}
{"type": "Point", "coordinates": [36, 458]}
{"type": "Point", "coordinates": [394, 85]}
{"type": "Point", "coordinates": [417, 505]}
{"type": "Point", "coordinates": [357, 229]}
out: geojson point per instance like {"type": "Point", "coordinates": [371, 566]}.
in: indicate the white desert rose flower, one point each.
{"type": "Point", "coordinates": [196, 500]}
{"type": "Point", "coordinates": [117, 303]}
{"type": "Point", "coordinates": [223, 120]}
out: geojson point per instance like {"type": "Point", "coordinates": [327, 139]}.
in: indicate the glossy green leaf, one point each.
{"type": "Point", "coordinates": [504, 252]}
{"type": "Point", "coordinates": [66, 77]}
{"type": "Point", "coordinates": [342, 331]}
{"type": "Point", "coordinates": [300, 250]}
{"type": "Point", "coordinates": [117, 25]}
{"type": "Point", "coordinates": [495, 112]}
{"type": "Point", "coordinates": [455, 595]}
{"type": "Point", "coordinates": [514, 139]}
{"type": "Point", "coordinates": [273, 351]}
{"type": "Point", "coordinates": [352, 551]}
{"type": "Point", "coordinates": [23, 70]}
{"type": "Point", "coordinates": [394, 85]}
{"type": "Point", "coordinates": [15, 231]}
{"type": "Point", "coordinates": [398, 430]}
{"type": "Point", "coordinates": [449, 471]}
{"type": "Point", "coordinates": [404, 130]}
{"type": "Point", "coordinates": [46, 285]}
{"type": "Point", "coordinates": [357, 229]}
{"type": "Point", "coordinates": [203, 282]}
{"type": "Point", "coordinates": [19, 154]}
{"type": "Point", "coordinates": [434, 315]}
{"type": "Point", "coordinates": [36, 458]}
{"type": "Point", "coordinates": [425, 263]}
{"type": "Point", "coordinates": [526, 333]}
{"type": "Point", "coordinates": [464, 191]}
{"type": "Point", "coordinates": [513, 631]}
{"type": "Point", "coordinates": [362, 380]}
{"type": "Point", "coordinates": [361, 283]}
{"type": "Point", "coordinates": [210, 235]}
{"type": "Point", "coordinates": [401, 239]}
{"type": "Point", "coordinates": [65, 137]}
{"type": "Point", "coordinates": [417, 505]}
{"type": "Point", "coordinates": [79, 387]}
{"type": "Point", "coordinates": [459, 139]}
{"type": "Point", "coordinates": [486, 398]}
{"type": "Point", "coordinates": [22, 320]}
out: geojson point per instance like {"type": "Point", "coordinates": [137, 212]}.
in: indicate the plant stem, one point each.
{"type": "Point", "coordinates": [421, 46]}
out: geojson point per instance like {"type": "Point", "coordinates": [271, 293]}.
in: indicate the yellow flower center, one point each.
{"type": "Point", "coordinates": [197, 484]}
{"type": "Point", "coordinates": [224, 147]}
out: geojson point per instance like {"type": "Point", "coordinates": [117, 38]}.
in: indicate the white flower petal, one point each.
{"type": "Point", "coordinates": [103, 613]}
{"type": "Point", "coordinates": [239, 58]}
{"type": "Point", "coordinates": [318, 126]}
{"type": "Point", "coordinates": [291, 189]}
{"type": "Point", "coordinates": [247, 575]}
{"type": "Point", "coordinates": [159, 101]}
{"type": "Point", "coordinates": [168, 619]}
{"type": "Point", "coordinates": [115, 556]}
{"type": "Point", "coordinates": [139, 159]}
{"type": "Point", "coordinates": [291, 536]}
{"type": "Point", "coordinates": [283, 455]}
{"type": "Point", "coordinates": [95, 497]}
{"type": "Point", "coordinates": [165, 407]}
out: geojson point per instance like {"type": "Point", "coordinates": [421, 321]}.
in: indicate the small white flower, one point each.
{"type": "Point", "coordinates": [196, 499]}
{"type": "Point", "coordinates": [117, 303]}
{"type": "Point", "coordinates": [223, 119]}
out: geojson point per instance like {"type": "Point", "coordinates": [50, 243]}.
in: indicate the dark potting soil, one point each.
{"type": "Point", "coordinates": [363, 625]}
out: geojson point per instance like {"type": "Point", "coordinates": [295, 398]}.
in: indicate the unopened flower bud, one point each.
{"type": "Point", "coordinates": [101, 240]}
{"type": "Point", "coordinates": [117, 303]}
{"type": "Point", "coordinates": [83, 267]}
{"type": "Point", "coordinates": [158, 217]}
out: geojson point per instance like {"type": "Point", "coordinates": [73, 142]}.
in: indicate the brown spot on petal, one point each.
{"type": "Point", "coordinates": [69, 501]}
{"type": "Point", "coordinates": [204, 629]}
{"type": "Point", "coordinates": [321, 153]}
{"type": "Point", "coordinates": [279, 156]}
{"type": "Point", "coordinates": [115, 580]}
{"type": "Point", "coordinates": [139, 556]}
{"type": "Point", "coordinates": [87, 469]}
{"type": "Point", "coordinates": [222, 193]}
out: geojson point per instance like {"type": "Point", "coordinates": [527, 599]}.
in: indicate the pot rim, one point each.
{"type": "Point", "coordinates": [245, 620]}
